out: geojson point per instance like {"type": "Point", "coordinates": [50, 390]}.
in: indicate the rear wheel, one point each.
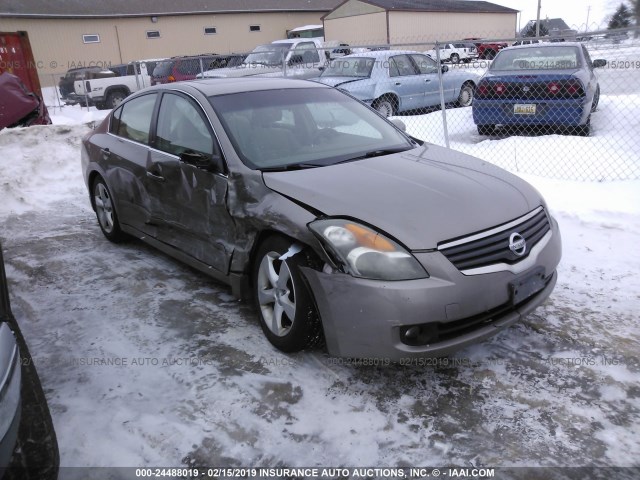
{"type": "Point", "coordinates": [584, 130]}
{"type": "Point", "coordinates": [115, 98]}
{"type": "Point", "coordinates": [489, 54]}
{"type": "Point", "coordinates": [455, 58]}
{"type": "Point", "coordinates": [465, 98]}
{"type": "Point", "coordinates": [485, 129]}
{"type": "Point", "coordinates": [285, 307]}
{"type": "Point", "coordinates": [106, 212]}
{"type": "Point", "coordinates": [596, 100]}
{"type": "Point", "coordinates": [387, 106]}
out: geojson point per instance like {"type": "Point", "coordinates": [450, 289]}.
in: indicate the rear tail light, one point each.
{"type": "Point", "coordinates": [554, 88]}
{"type": "Point", "coordinates": [574, 88]}
{"type": "Point", "coordinates": [483, 90]}
{"type": "Point", "coordinates": [500, 89]}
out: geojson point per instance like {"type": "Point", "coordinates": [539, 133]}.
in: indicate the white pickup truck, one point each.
{"type": "Point", "coordinates": [296, 57]}
{"type": "Point", "coordinates": [107, 93]}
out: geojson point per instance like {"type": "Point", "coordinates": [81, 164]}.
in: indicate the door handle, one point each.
{"type": "Point", "coordinates": [427, 80]}
{"type": "Point", "coordinates": [106, 153]}
{"type": "Point", "coordinates": [153, 176]}
{"type": "Point", "coordinates": [398, 83]}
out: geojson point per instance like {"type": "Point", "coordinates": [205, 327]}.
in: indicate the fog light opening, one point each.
{"type": "Point", "coordinates": [419, 335]}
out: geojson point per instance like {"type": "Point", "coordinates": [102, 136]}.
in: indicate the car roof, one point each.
{"type": "Point", "coordinates": [544, 45]}
{"type": "Point", "coordinates": [225, 86]}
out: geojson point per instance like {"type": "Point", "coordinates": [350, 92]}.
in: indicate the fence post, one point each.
{"type": "Point", "coordinates": [201, 67]}
{"type": "Point", "coordinates": [284, 63]}
{"type": "Point", "coordinates": [442, 103]}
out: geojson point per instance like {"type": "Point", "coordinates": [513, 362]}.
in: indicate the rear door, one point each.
{"type": "Point", "coordinates": [407, 82]}
{"type": "Point", "coordinates": [428, 69]}
{"type": "Point", "coordinates": [124, 159]}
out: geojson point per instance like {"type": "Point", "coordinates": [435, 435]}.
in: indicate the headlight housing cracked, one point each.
{"type": "Point", "coordinates": [366, 253]}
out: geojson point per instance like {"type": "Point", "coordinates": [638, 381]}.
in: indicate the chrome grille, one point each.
{"type": "Point", "coordinates": [492, 246]}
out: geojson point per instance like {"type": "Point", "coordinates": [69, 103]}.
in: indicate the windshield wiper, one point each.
{"type": "Point", "coordinates": [293, 166]}
{"type": "Point", "coordinates": [375, 153]}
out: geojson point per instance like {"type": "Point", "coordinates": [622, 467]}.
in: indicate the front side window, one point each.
{"type": "Point", "coordinates": [182, 127]}
{"type": "Point", "coordinates": [135, 118]}
{"type": "Point", "coordinates": [425, 64]}
{"type": "Point", "coordinates": [308, 52]}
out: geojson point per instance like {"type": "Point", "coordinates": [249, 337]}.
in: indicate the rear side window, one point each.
{"type": "Point", "coordinates": [135, 118]}
{"type": "Point", "coordinates": [401, 66]}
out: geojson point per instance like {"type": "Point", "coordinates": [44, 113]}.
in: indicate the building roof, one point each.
{"type": "Point", "coordinates": [457, 6]}
{"type": "Point", "coordinates": [143, 8]}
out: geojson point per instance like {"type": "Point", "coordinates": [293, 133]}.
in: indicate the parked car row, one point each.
{"type": "Point", "coordinates": [395, 81]}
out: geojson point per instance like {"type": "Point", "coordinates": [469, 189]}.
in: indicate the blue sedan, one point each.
{"type": "Point", "coordinates": [541, 85]}
{"type": "Point", "coordinates": [394, 81]}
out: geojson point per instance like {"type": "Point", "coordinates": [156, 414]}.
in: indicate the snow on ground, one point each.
{"type": "Point", "coordinates": [146, 362]}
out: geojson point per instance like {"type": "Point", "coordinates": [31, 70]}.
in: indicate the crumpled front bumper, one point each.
{"type": "Point", "coordinates": [364, 318]}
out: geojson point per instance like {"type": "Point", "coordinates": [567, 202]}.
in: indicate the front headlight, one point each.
{"type": "Point", "coordinates": [365, 253]}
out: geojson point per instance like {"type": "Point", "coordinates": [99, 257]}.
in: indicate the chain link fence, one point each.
{"type": "Point", "coordinates": [564, 106]}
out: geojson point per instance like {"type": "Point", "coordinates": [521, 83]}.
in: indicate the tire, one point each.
{"type": "Point", "coordinates": [103, 205]}
{"type": "Point", "coordinates": [489, 55]}
{"type": "Point", "coordinates": [115, 98]}
{"type": "Point", "coordinates": [386, 106]}
{"type": "Point", "coordinates": [485, 129]}
{"type": "Point", "coordinates": [465, 98]}
{"type": "Point", "coordinates": [455, 58]}
{"type": "Point", "coordinates": [284, 304]}
{"type": "Point", "coordinates": [583, 130]}
{"type": "Point", "coordinates": [596, 100]}
{"type": "Point", "coordinates": [101, 106]}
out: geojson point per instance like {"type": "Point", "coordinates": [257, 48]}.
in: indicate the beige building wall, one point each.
{"type": "Point", "coordinates": [366, 29]}
{"type": "Point", "coordinates": [57, 43]}
{"type": "Point", "coordinates": [431, 26]}
{"type": "Point", "coordinates": [352, 8]}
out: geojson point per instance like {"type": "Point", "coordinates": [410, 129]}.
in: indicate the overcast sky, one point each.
{"type": "Point", "coordinates": [574, 12]}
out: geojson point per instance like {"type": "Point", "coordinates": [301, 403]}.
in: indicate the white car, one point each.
{"type": "Point", "coordinates": [455, 52]}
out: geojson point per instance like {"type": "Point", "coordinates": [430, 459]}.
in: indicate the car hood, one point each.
{"type": "Point", "coordinates": [420, 198]}
{"type": "Point", "coordinates": [337, 81]}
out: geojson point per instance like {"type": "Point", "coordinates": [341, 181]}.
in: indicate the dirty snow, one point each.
{"type": "Point", "coordinates": [192, 381]}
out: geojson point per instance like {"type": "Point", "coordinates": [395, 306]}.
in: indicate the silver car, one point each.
{"type": "Point", "coordinates": [339, 226]}
{"type": "Point", "coordinates": [394, 81]}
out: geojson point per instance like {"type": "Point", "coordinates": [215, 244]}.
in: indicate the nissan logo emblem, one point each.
{"type": "Point", "coordinates": [517, 244]}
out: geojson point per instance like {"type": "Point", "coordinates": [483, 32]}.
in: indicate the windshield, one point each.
{"type": "Point", "coordinates": [304, 127]}
{"type": "Point", "coordinates": [537, 58]}
{"type": "Point", "coordinates": [349, 67]}
{"type": "Point", "coordinates": [270, 54]}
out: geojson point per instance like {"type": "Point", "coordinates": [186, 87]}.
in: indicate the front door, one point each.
{"type": "Point", "coordinates": [190, 201]}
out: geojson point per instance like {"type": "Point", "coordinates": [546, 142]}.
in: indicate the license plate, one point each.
{"type": "Point", "coordinates": [524, 109]}
{"type": "Point", "coordinates": [527, 286]}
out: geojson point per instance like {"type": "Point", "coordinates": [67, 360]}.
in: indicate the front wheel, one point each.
{"type": "Point", "coordinates": [285, 307]}
{"type": "Point", "coordinates": [465, 99]}
{"type": "Point", "coordinates": [105, 211]}
{"type": "Point", "coordinates": [386, 106]}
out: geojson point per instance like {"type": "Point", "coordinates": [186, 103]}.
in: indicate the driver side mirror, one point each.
{"type": "Point", "coordinates": [599, 63]}
{"type": "Point", "coordinates": [210, 163]}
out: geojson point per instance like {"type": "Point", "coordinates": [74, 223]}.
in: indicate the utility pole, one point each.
{"type": "Point", "coordinates": [538, 19]}
{"type": "Point", "coordinates": [588, 12]}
